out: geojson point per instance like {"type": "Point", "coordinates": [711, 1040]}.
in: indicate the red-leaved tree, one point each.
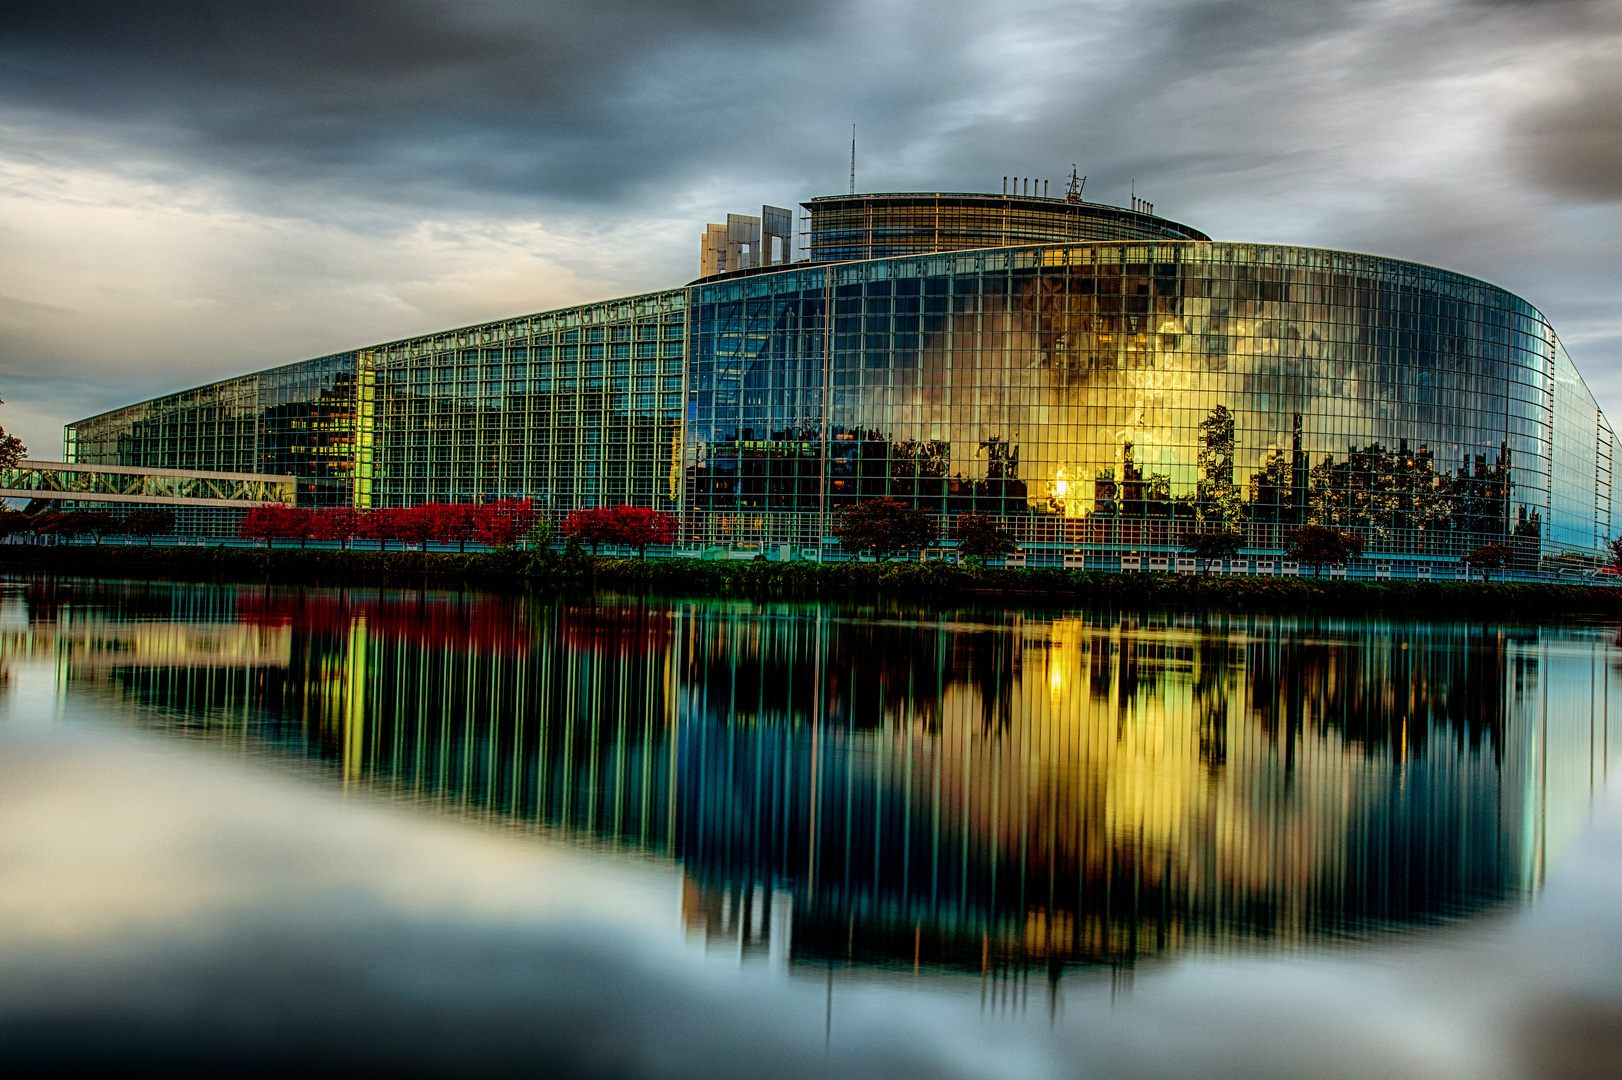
{"type": "Point", "coordinates": [298, 524]}
{"type": "Point", "coordinates": [639, 526]}
{"type": "Point", "coordinates": [275, 522]}
{"type": "Point", "coordinates": [453, 522]}
{"type": "Point", "coordinates": [341, 523]}
{"type": "Point", "coordinates": [256, 525]}
{"type": "Point", "coordinates": [500, 524]}
{"type": "Point", "coordinates": [378, 525]}
{"type": "Point", "coordinates": [416, 524]}
{"type": "Point", "coordinates": [592, 527]}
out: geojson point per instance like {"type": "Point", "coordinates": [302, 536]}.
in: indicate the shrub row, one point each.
{"type": "Point", "coordinates": [496, 523]}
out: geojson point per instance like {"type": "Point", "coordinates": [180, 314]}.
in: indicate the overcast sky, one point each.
{"type": "Point", "coordinates": [193, 189]}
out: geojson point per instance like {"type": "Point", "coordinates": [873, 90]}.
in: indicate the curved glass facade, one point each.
{"type": "Point", "coordinates": [1102, 397]}
{"type": "Point", "coordinates": [1113, 396]}
{"type": "Point", "coordinates": [296, 420]}
{"type": "Point", "coordinates": [574, 408]}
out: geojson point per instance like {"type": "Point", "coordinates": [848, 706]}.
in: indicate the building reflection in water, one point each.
{"type": "Point", "coordinates": [984, 792]}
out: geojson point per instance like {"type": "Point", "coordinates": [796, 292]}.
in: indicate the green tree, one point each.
{"type": "Point", "coordinates": [15, 522]}
{"type": "Point", "coordinates": [1224, 544]}
{"type": "Point", "coordinates": [1319, 544]}
{"type": "Point", "coordinates": [99, 523]}
{"type": "Point", "coordinates": [1489, 557]}
{"type": "Point", "coordinates": [885, 527]}
{"type": "Point", "coordinates": [979, 537]}
{"type": "Point", "coordinates": [64, 523]}
{"type": "Point", "coordinates": [150, 522]}
{"type": "Point", "coordinates": [541, 534]}
{"type": "Point", "coordinates": [12, 449]}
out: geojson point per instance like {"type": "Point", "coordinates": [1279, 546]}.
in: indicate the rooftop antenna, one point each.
{"type": "Point", "coordinates": [1072, 193]}
{"type": "Point", "coordinates": [853, 159]}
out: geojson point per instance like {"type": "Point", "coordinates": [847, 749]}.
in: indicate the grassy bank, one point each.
{"type": "Point", "coordinates": [519, 570]}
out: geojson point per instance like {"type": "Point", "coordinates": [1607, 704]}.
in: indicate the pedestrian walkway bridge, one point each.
{"type": "Point", "coordinates": [64, 481]}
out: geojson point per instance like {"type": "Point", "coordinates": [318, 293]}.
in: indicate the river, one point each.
{"type": "Point", "coordinates": [454, 833]}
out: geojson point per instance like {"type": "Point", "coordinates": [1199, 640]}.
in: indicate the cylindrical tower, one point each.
{"type": "Point", "coordinates": [847, 227]}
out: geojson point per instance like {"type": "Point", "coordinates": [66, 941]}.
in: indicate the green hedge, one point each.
{"type": "Point", "coordinates": [291, 566]}
{"type": "Point", "coordinates": [508, 570]}
{"type": "Point", "coordinates": [924, 580]}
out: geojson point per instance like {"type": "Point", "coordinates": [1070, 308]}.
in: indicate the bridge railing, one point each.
{"type": "Point", "coordinates": [125, 484]}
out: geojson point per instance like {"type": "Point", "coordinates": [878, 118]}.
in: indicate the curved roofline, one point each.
{"type": "Point", "coordinates": [753, 271]}
{"type": "Point", "coordinates": [1034, 202]}
{"type": "Point", "coordinates": [1045, 200]}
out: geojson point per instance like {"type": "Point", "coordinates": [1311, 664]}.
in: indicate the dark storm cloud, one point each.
{"type": "Point", "coordinates": [1573, 146]}
{"type": "Point", "coordinates": [615, 101]}
{"type": "Point", "coordinates": [567, 99]}
{"type": "Point", "coordinates": [630, 101]}
{"type": "Point", "coordinates": [1196, 94]}
{"type": "Point", "coordinates": [441, 103]}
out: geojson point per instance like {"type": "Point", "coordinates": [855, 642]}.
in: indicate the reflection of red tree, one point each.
{"type": "Point", "coordinates": [490, 623]}
{"type": "Point", "coordinates": [622, 630]}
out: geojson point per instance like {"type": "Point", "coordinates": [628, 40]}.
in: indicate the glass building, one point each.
{"type": "Point", "coordinates": [1102, 379]}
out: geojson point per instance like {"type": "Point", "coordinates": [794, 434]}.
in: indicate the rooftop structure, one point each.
{"type": "Point", "coordinates": [846, 227]}
{"type": "Point", "coordinates": [746, 242]}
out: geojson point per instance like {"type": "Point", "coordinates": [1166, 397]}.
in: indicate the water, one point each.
{"type": "Point", "coordinates": [444, 833]}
